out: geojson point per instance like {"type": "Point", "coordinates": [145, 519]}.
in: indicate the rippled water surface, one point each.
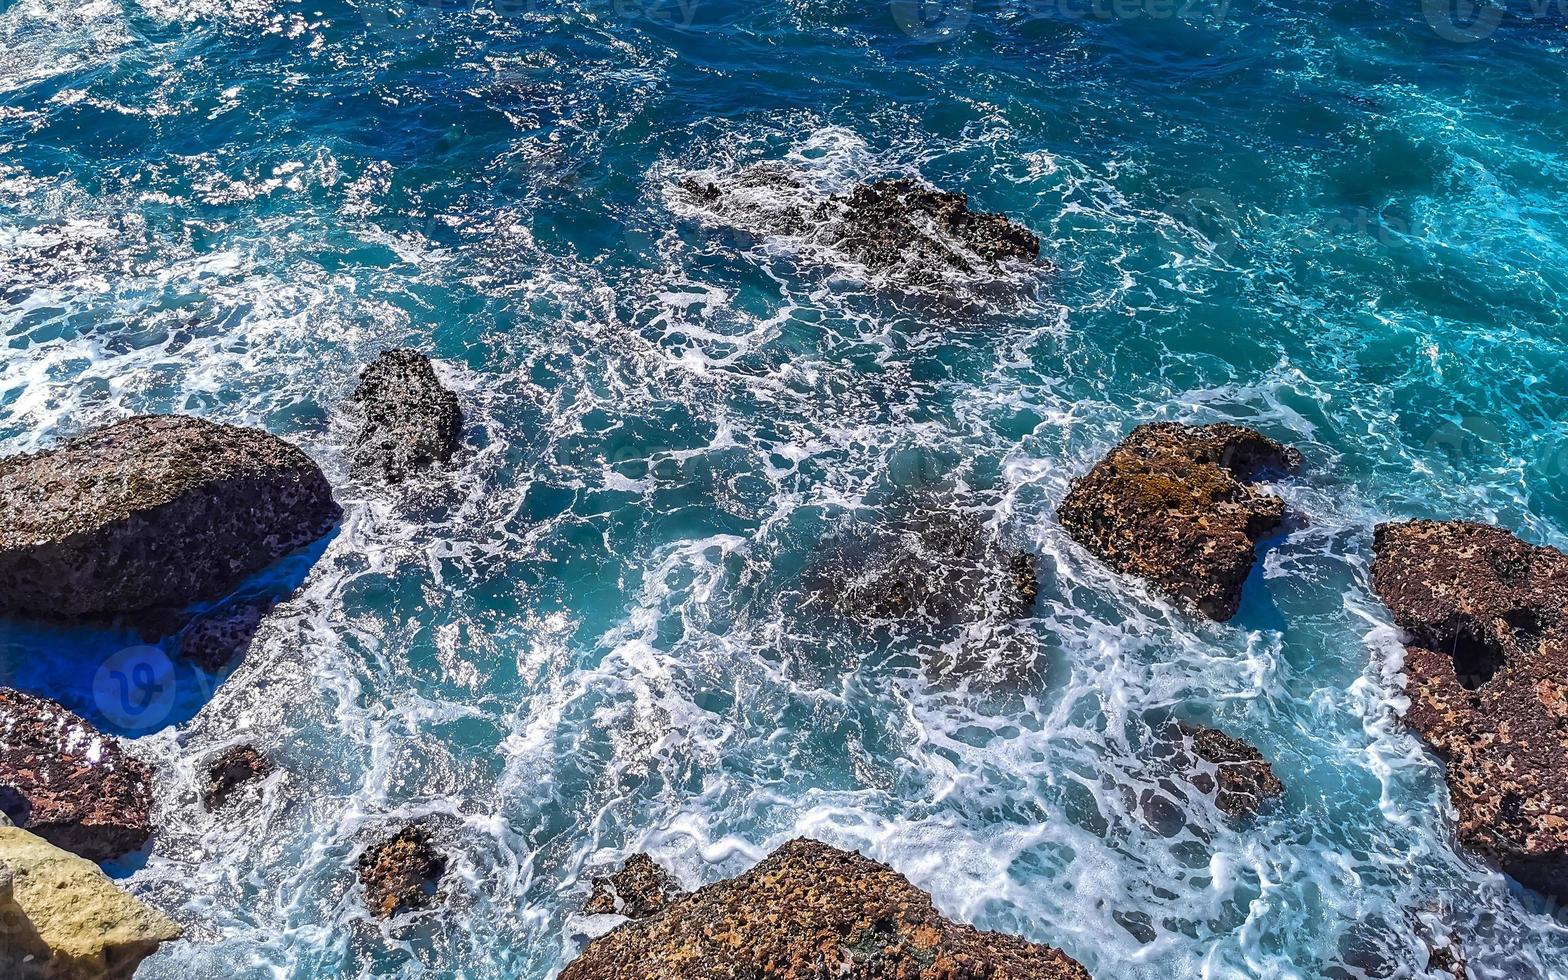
{"type": "Point", "coordinates": [1342, 223]}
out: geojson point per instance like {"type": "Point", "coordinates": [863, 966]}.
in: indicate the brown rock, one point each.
{"type": "Point", "coordinates": [812, 911]}
{"type": "Point", "coordinates": [401, 873]}
{"type": "Point", "coordinates": [1173, 504]}
{"type": "Point", "coordinates": [1487, 660]}
{"type": "Point", "coordinates": [638, 890]}
{"type": "Point", "coordinates": [1240, 780]}
{"type": "Point", "coordinates": [151, 513]}
{"type": "Point", "coordinates": [411, 422]}
{"type": "Point", "coordinates": [68, 783]}
{"type": "Point", "coordinates": [231, 770]}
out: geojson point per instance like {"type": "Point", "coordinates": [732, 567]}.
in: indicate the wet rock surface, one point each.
{"type": "Point", "coordinates": [70, 784]}
{"type": "Point", "coordinates": [213, 640]}
{"type": "Point", "coordinates": [813, 911]}
{"type": "Point", "coordinates": [400, 873]}
{"type": "Point", "coordinates": [410, 421]}
{"type": "Point", "coordinates": [61, 918]}
{"type": "Point", "coordinates": [1487, 664]}
{"type": "Point", "coordinates": [1174, 504]}
{"type": "Point", "coordinates": [1237, 776]}
{"type": "Point", "coordinates": [151, 513]}
{"type": "Point", "coordinates": [230, 771]}
{"type": "Point", "coordinates": [900, 228]}
{"type": "Point", "coordinates": [637, 891]}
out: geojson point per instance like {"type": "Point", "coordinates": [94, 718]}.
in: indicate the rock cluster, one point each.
{"type": "Point", "coordinates": [149, 514]}
{"type": "Point", "coordinates": [410, 421]}
{"type": "Point", "coordinates": [400, 873]}
{"type": "Point", "coordinates": [230, 770]}
{"type": "Point", "coordinates": [637, 891]}
{"type": "Point", "coordinates": [1236, 775]}
{"type": "Point", "coordinates": [1487, 661]}
{"type": "Point", "coordinates": [68, 783]}
{"type": "Point", "coordinates": [63, 919]}
{"type": "Point", "coordinates": [1174, 504]}
{"type": "Point", "coordinates": [813, 911]}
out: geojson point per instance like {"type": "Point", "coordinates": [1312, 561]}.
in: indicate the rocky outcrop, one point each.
{"type": "Point", "coordinates": [637, 891]}
{"type": "Point", "coordinates": [899, 228]}
{"type": "Point", "coordinates": [61, 918]}
{"type": "Point", "coordinates": [68, 783]}
{"type": "Point", "coordinates": [230, 770]}
{"type": "Point", "coordinates": [400, 873]}
{"type": "Point", "coordinates": [1174, 504]}
{"type": "Point", "coordinates": [813, 911]}
{"type": "Point", "coordinates": [1232, 772]}
{"type": "Point", "coordinates": [410, 421]}
{"type": "Point", "coordinates": [1486, 616]}
{"type": "Point", "coordinates": [212, 640]}
{"type": "Point", "coordinates": [151, 513]}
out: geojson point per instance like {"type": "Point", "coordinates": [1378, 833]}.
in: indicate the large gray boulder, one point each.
{"type": "Point", "coordinates": [152, 514]}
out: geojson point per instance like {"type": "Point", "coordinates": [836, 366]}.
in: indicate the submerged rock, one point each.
{"type": "Point", "coordinates": [211, 641]}
{"type": "Point", "coordinates": [1487, 660]}
{"type": "Point", "coordinates": [68, 783]}
{"type": "Point", "coordinates": [1173, 504]}
{"type": "Point", "coordinates": [638, 890]}
{"type": "Point", "coordinates": [61, 918]}
{"type": "Point", "coordinates": [151, 513]}
{"type": "Point", "coordinates": [400, 873]}
{"type": "Point", "coordinates": [899, 228]}
{"type": "Point", "coordinates": [1237, 776]}
{"type": "Point", "coordinates": [229, 771]}
{"type": "Point", "coordinates": [813, 911]}
{"type": "Point", "coordinates": [411, 422]}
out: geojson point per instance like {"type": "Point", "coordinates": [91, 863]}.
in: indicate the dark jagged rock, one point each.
{"type": "Point", "coordinates": [900, 228]}
{"type": "Point", "coordinates": [942, 564]}
{"type": "Point", "coordinates": [813, 911]}
{"type": "Point", "coordinates": [150, 514]}
{"type": "Point", "coordinates": [411, 422]}
{"type": "Point", "coordinates": [231, 770]}
{"type": "Point", "coordinates": [638, 890]}
{"type": "Point", "coordinates": [401, 873]}
{"type": "Point", "coordinates": [1240, 780]}
{"type": "Point", "coordinates": [70, 784]}
{"type": "Point", "coordinates": [1487, 660]}
{"type": "Point", "coordinates": [1174, 504]}
{"type": "Point", "coordinates": [214, 639]}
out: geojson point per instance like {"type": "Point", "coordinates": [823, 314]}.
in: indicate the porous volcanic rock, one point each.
{"type": "Point", "coordinates": [68, 783]}
{"type": "Point", "coordinates": [401, 872]}
{"type": "Point", "coordinates": [813, 911]}
{"type": "Point", "coordinates": [1486, 616]}
{"type": "Point", "coordinates": [61, 918]}
{"type": "Point", "coordinates": [230, 770]}
{"type": "Point", "coordinates": [151, 513]}
{"type": "Point", "coordinates": [410, 421]}
{"type": "Point", "coordinates": [1174, 504]}
{"type": "Point", "coordinates": [1237, 776]}
{"type": "Point", "coordinates": [900, 228]}
{"type": "Point", "coordinates": [638, 890]}
{"type": "Point", "coordinates": [212, 640]}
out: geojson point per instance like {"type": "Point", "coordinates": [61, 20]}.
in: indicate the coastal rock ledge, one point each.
{"type": "Point", "coordinates": [1174, 504]}
{"type": "Point", "coordinates": [1486, 616]}
{"type": "Point", "coordinates": [812, 911]}
{"type": "Point", "coordinates": [151, 514]}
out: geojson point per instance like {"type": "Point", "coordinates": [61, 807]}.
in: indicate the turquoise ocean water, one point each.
{"type": "Point", "coordinates": [1343, 223]}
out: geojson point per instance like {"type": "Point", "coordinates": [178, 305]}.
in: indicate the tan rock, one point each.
{"type": "Point", "coordinates": [61, 918]}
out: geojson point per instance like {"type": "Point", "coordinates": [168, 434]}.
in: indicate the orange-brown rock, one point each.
{"type": "Point", "coordinates": [638, 890]}
{"type": "Point", "coordinates": [813, 911]}
{"type": "Point", "coordinates": [401, 873]}
{"type": "Point", "coordinates": [1237, 776]}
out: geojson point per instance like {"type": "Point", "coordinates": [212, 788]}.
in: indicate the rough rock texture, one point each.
{"type": "Point", "coordinates": [63, 919]}
{"type": "Point", "coordinates": [900, 228]}
{"type": "Point", "coordinates": [231, 770]}
{"type": "Point", "coordinates": [411, 422]}
{"type": "Point", "coordinates": [1237, 776]}
{"type": "Point", "coordinates": [214, 639]}
{"type": "Point", "coordinates": [68, 783]}
{"type": "Point", "coordinates": [401, 873]}
{"type": "Point", "coordinates": [154, 512]}
{"type": "Point", "coordinates": [1173, 504]}
{"type": "Point", "coordinates": [812, 911]}
{"type": "Point", "coordinates": [637, 891]}
{"type": "Point", "coordinates": [1487, 660]}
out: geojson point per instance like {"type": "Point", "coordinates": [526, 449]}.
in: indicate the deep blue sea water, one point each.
{"type": "Point", "coordinates": [1344, 223]}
